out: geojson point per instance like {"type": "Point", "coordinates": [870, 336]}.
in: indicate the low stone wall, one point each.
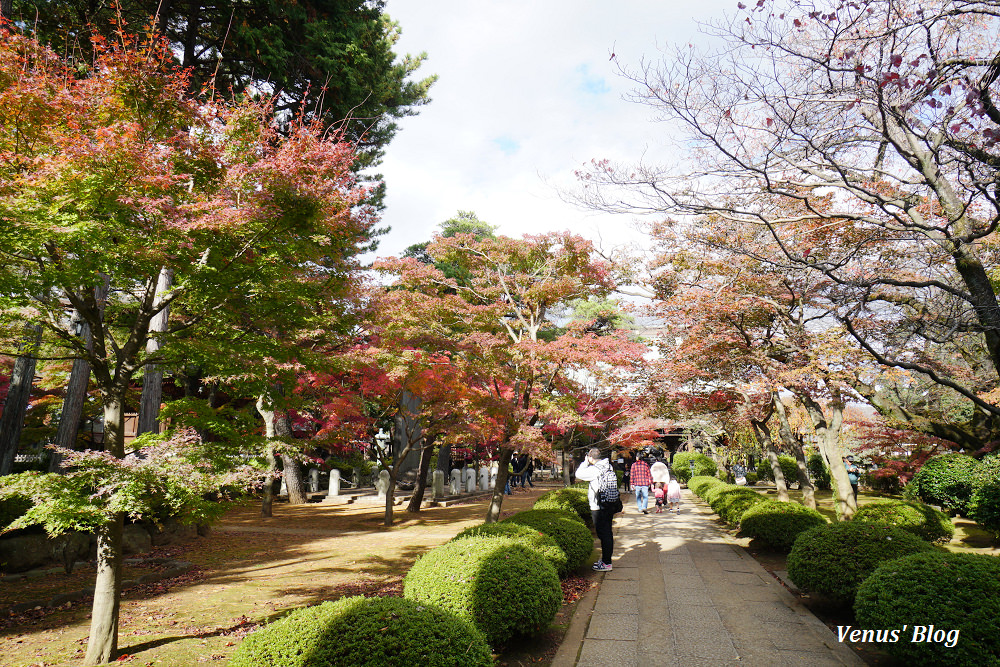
{"type": "Point", "coordinates": [20, 553]}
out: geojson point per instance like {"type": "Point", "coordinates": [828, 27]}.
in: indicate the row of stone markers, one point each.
{"type": "Point", "coordinates": [464, 480]}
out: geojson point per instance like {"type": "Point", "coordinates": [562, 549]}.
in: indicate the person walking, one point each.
{"type": "Point", "coordinates": [674, 496]}
{"type": "Point", "coordinates": [599, 473]}
{"type": "Point", "coordinates": [641, 480]}
{"type": "Point", "coordinates": [660, 472]}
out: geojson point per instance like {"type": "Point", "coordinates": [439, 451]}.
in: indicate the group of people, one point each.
{"type": "Point", "coordinates": [521, 468]}
{"type": "Point", "coordinates": [646, 480]}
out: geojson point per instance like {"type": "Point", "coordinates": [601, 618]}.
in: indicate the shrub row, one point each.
{"type": "Point", "coordinates": [776, 523]}
{"type": "Point", "coordinates": [488, 584]}
{"type": "Point", "coordinates": [365, 631]}
{"type": "Point", "coordinates": [569, 532]}
{"type": "Point", "coordinates": [571, 499]}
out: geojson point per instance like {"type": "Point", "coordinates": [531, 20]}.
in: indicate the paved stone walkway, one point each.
{"type": "Point", "coordinates": [681, 593]}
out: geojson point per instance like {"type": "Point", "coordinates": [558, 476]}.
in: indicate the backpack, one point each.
{"type": "Point", "coordinates": [608, 497]}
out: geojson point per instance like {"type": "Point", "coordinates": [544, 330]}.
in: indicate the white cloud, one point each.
{"type": "Point", "coordinates": [526, 94]}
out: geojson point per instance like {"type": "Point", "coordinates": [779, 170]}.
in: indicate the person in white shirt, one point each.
{"type": "Point", "coordinates": [592, 470]}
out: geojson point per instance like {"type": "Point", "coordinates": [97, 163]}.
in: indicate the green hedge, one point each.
{"type": "Point", "coordinates": [681, 466]}
{"type": "Point", "coordinates": [789, 468]}
{"type": "Point", "coordinates": [957, 593]}
{"type": "Point", "coordinates": [732, 501]}
{"type": "Point", "coordinates": [835, 559]}
{"type": "Point", "coordinates": [570, 499]}
{"type": "Point", "coordinates": [984, 503]}
{"type": "Point", "coordinates": [752, 478]}
{"type": "Point", "coordinates": [777, 523]}
{"type": "Point", "coordinates": [912, 516]}
{"type": "Point", "coordinates": [533, 538]}
{"type": "Point", "coordinates": [502, 587]}
{"type": "Point", "coordinates": [574, 538]}
{"type": "Point", "coordinates": [946, 480]}
{"type": "Point", "coordinates": [700, 484]}
{"type": "Point", "coordinates": [365, 631]}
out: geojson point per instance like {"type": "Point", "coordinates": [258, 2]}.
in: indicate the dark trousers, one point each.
{"type": "Point", "coordinates": [602, 526]}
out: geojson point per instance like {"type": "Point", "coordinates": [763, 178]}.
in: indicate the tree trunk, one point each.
{"type": "Point", "coordinates": [764, 438]}
{"type": "Point", "coordinates": [18, 395]}
{"type": "Point", "coordinates": [295, 479]}
{"type": "Point", "coordinates": [444, 460]}
{"type": "Point", "coordinates": [152, 382]}
{"type": "Point", "coordinates": [390, 497]}
{"type": "Point", "coordinates": [5, 8]}
{"type": "Point", "coordinates": [103, 642]}
{"type": "Point", "coordinates": [79, 380]}
{"type": "Point", "coordinates": [828, 439]}
{"type": "Point", "coordinates": [267, 500]}
{"type": "Point", "coordinates": [795, 446]}
{"type": "Point", "coordinates": [503, 469]}
{"type": "Point", "coordinates": [426, 454]}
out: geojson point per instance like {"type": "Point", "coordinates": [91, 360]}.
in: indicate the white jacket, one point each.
{"type": "Point", "coordinates": [592, 473]}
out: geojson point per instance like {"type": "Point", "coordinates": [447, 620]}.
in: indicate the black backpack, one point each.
{"type": "Point", "coordinates": [608, 497]}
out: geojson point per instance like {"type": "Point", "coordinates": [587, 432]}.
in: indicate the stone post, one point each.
{"type": "Point", "coordinates": [382, 485]}
{"type": "Point", "coordinates": [494, 471]}
{"type": "Point", "coordinates": [484, 479]}
{"type": "Point", "coordinates": [313, 480]}
{"type": "Point", "coordinates": [470, 480]}
{"type": "Point", "coordinates": [334, 489]}
{"type": "Point", "coordinates": [456, 482]}
{"type": "Point", "coordinates": [437, 484]}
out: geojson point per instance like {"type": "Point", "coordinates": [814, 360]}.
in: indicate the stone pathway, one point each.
{"type": "Point", "coordinates": [681, 593]}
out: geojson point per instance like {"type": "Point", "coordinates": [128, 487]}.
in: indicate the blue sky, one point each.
{"type": "Point", "coordinates": [526, 94]}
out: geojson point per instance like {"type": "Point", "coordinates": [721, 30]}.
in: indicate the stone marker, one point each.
{"type": "Point", "coordinates": [494, 471]}
{"type": "Point", "coordinates": [456, 482]}
{"type": "Point", "coordinates": [382, 485]}
{"type": "Point", "coordinates": [334, 489]}
{"type": "Point", "coordinates": [484, 479]}
{"type": "Point", "coordinates": [437, 484]}
{"type": "Point", "coordinates": [313, 480]}
{"type": "Point", "coordinates": [470, 480]}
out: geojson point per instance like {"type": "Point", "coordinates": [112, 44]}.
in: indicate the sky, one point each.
{"type": "Point", "coordinates": [527, 93]}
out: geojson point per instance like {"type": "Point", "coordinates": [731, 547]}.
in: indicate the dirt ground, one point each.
{"type": "Point", "coordinates": [249, 570]}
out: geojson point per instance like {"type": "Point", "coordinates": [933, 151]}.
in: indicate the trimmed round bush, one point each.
{"type": "Point", "coordinates": [681, 466]}
{"type": "Point", "coordinates": [914, 517]}
{"type": "Point", "coordinates": [835, 559]}
{"type": "Point", "coordinates": [984, 507]}
{"type": "Point", "coordinates": [503, 587]}
{"type": "Point", "coordinates": [533, 538]}
{"type": "Point", "coordinates": [777, 523]}
{"type": "Point", "coordinates": [954, 592]}
{"type": "Point", "coordinates": [365, 631]}
{"type": "Point", "coordinates": [732, 501]}
{"type": "Point", "coordinates": [574, 538]}
{"type": "Point", "coordinates": [945, 480]}
{"type": "Point", "coordinates": [569, 499]}
{"type": "Point", "coordinates": [751, 478]}
{"type": "Point", "coordinates": [819, 472]}
{"type": "Point", "coordinates": [984, 504]}
{"type": "Point", "coordinates": [700, 484]}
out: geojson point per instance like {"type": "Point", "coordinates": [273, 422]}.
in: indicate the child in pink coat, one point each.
{"type": "Point", "coordinates": [674, 496]}
{"type": "Point", "coordinates": [660, 494]}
